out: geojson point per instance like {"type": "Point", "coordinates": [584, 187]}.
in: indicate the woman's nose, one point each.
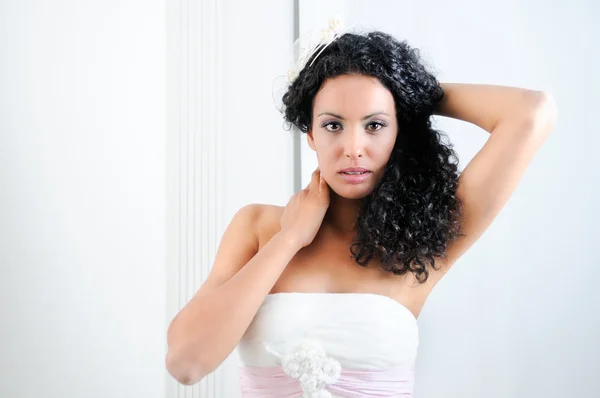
{"type": "Point", "coordinates": [353, 145]}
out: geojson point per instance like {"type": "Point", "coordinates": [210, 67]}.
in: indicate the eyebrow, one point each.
{"type": "Point", "coordinates": [364, 118]}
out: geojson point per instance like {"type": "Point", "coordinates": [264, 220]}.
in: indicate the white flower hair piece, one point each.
{"type": "Point", "coordinates": [326, 37]}
{"type": "Point", "coordinates": [309, 45]}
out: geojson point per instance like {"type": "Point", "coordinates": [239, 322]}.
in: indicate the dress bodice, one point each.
{"type": "Point", "coordinates": [323, 345]}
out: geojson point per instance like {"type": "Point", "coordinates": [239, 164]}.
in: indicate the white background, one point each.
{"type": "Point", "coordinates": [83, 186]}
{"type": "Point", "coordinates": [82, 198]}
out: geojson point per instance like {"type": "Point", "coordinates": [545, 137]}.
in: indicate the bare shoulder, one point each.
{"type": "Point", "coordinates": [260, 219]}
{"type": "Point", "coordinates": [241, 240]}
{"type": "Point", "coordinates": [268, 222]}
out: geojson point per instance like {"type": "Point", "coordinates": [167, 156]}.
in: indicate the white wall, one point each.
{"type": "Point", "coordinates": [82, 198]}
{"type": "Point", "coordinates": [519, 314]}
{"type": "Point", "coordinates": [258, 163]}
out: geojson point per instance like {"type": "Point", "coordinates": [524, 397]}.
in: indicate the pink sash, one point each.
{"type": "Point", "coordinates": [273, 382]}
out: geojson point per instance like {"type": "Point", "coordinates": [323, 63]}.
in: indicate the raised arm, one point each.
{"type": "Point", "coordinates": [518, 121]}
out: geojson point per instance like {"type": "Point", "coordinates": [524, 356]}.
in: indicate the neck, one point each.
{"type": "Point", "coordinates": [341, 214]}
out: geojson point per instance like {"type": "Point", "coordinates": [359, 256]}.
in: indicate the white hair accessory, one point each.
{"type": "Point", "coordinates": [303, 49]}
{"type": "Point", "coordinates": [326, 37]}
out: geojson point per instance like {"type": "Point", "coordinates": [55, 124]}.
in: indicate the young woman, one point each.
{"type": "Point", "coordinates": [321, 297]}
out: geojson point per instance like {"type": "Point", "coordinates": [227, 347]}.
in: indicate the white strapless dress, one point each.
{"type": "Point", "coordinates": [322, 345]}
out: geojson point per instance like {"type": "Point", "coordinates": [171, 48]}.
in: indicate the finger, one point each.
{"type": "Point", "coordinates": [323, 188]}
{"type": "Point", "coordinates": [314, 181]}
{"type": "Point", "coordinates": [307, 187]}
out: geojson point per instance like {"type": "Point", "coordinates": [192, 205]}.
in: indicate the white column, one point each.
{"type": "Point", "coordinates": [194, 205]}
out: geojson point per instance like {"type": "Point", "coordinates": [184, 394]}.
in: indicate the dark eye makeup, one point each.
{"type": "Point", "coordinates": [379, 125]}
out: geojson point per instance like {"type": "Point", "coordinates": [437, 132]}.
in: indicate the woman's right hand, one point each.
{"type": "Point", "coordinates": [304, 213]}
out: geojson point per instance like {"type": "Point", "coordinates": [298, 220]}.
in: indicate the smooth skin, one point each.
{"type": "Point", "coordinates": [303, 247]}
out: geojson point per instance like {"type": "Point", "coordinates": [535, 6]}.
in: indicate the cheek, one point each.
{"type": "Point", "coordinates": [387, 147]}
{"type": "Point", "coordinates": [325, 151]}
{"type": "Point", "coordinates": [328, 164]}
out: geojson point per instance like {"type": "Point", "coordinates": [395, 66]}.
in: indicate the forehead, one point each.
{"type": "Point", "coordinates": [353, 93]}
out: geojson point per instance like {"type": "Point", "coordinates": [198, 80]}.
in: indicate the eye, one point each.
{"type": "Point", "coordinates": [326, 125]}
{"type": "Point", "coordinates": [378, 125]}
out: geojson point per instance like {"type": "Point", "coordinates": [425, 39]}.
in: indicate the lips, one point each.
{"type": "Point", "coordinates": [355, 175]}
{"type": "Point", "coordinates": [353, 169]}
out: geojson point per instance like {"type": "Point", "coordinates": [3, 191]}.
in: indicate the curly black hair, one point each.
{"type": "Point", "coordinates": [413, 212]}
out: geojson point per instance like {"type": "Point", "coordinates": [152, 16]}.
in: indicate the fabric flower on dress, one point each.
{"type": "Point", "coordinates": [310, 365]}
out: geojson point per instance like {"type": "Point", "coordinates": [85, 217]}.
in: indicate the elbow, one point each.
{"type": "Point", "coordinates": [186, 370]}
{"type": "Point", "coordinates": [543, 115]}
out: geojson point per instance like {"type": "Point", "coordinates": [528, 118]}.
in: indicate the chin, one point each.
{"type": "Point", "coordinates": [349, 191]}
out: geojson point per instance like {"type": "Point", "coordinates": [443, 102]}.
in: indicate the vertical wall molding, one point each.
{"type": "Point", "coordinates": [194, 206]}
